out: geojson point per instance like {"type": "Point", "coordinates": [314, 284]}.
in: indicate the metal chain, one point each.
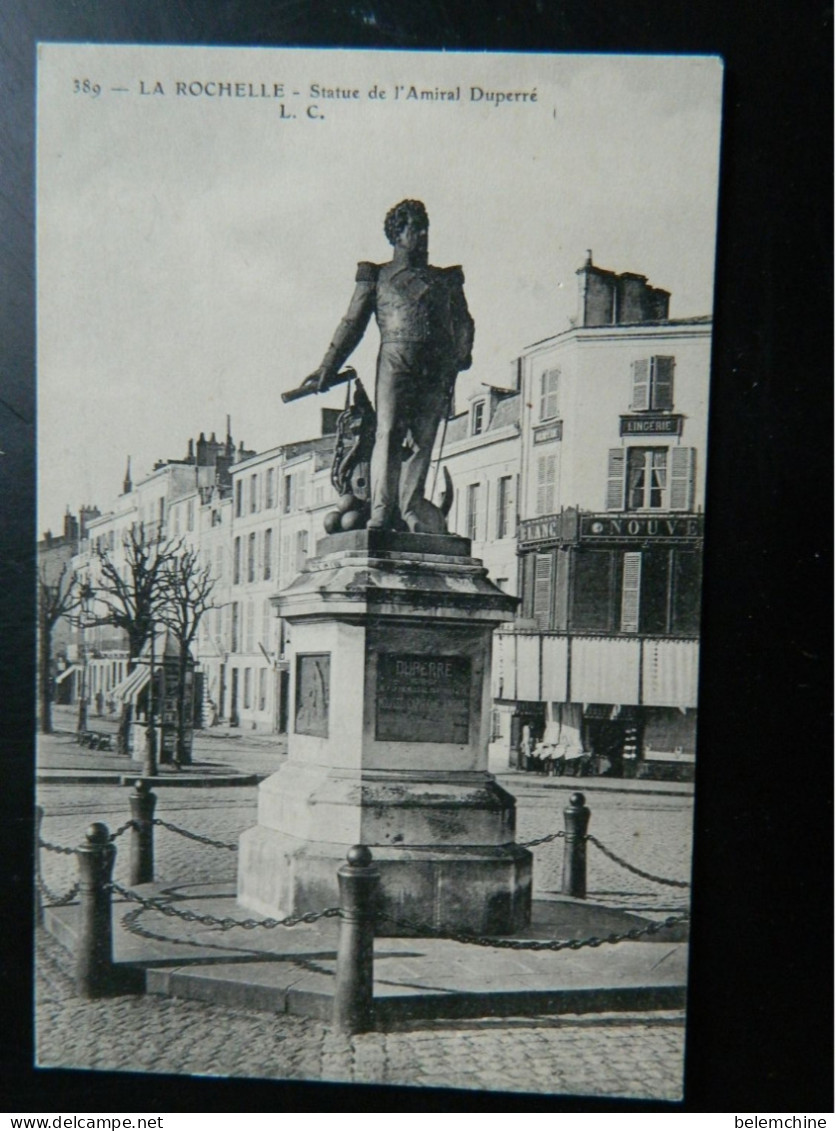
{"type": "Point", "coordinates": [634, 869]}
{"type": "Point", "coordinates": [195, 836]}
{"type": "Point", "coordinates": [122, 829]}
{"type": "Point", "coordinates": [226, 923]}
{"type": "Point", "coordinates": [53, 899]}
{"type": "Point", "coordinates": [543, 839]}
{"type": "Point", "coordinates": [538, 944]}
{"type": "Point", "coordinates": [56, 848]}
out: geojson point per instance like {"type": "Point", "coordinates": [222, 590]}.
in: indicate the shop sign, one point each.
{"type": "Point", "coordinates": [540, 529]}
{"type": "Point", "coordinates": [561, 527]}
{"type": "Point", "coordinates": [614, 527]}
{"type": "Point", "coordinates": [652, 425]}
{"type": "Point", "coordinates": [549, 432]}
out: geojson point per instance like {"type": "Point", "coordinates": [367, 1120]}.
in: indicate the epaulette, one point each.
{"type": "Point", "coordinates": [366, 272]}
{"type": "Point", "coordinates": [455, 274]}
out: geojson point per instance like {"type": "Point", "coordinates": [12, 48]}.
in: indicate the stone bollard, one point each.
{"type": "Point", "coordinates": [143, 801]}
{"type": "Point", "coordinates": [94, 975]}
{"type": "Point", "coordinates": [39, 899]}
{"type": "Point", "coordinates": [354, 993]}
{"type": "Point", "coordinates": [576, 816]}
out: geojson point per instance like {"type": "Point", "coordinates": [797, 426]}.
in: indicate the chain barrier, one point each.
{"type": "Point", "coordinates": [226, 924]}
{"type": "Point", "coordinates": [122, 829]}
{"type": "Point", "coordinates": [59, 848]}
{"type": "Point", "coordinates": [52, 899]}
{"type": "Point", "coordinates": [637, 871]}
{"type": "Point", "coordinates": [537, 944]}
{"type": "Point", "coordinates": [612, 856]}
{"type": "Point", "coordinates": [195, 836]}
{"type": "Point", "coordinates": [543, 839]}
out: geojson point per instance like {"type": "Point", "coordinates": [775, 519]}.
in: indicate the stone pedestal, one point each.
{"type": "Point", "coordinates": [388, 737]}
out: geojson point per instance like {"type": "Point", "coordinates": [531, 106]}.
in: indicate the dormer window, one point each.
{"type": "Point", "coordinates": [652, 384]}
{"type": "Point", "coordinates": [549, 381]}
{"type": "Point", "coordinates": [477, 419]}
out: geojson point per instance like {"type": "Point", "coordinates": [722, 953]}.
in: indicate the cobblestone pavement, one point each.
{"type": "Point", "coordinates": [619, 1055]}
{"type": "Point", "coordinates": [631, 1055]}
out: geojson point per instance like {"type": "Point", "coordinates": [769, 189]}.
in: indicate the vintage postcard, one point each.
{"type": "Point", "coordinates": [373, 424]}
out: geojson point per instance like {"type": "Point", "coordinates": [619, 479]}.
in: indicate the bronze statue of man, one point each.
{"type": "Point", "coordinates": [426, 337]}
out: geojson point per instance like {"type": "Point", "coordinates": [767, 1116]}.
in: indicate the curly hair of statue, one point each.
{"type": "Point", "coordinates": [397, 218]}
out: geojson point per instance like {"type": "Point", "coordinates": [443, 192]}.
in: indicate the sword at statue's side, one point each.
{"type": "Point", "coordinates": [311, 385]}
{"type": "Point", "coordinates": [443, 438]}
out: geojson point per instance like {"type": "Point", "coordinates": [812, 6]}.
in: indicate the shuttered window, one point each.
{"type": "Point", "coordinates": [661, 397]}
{"type": "Point", "coordinates": [615, 479]}
{"type": "Point", "coordinates": [652, 381]}
{"type": "Point", "coordinates": [301, 549]}
{"type": "Point", "coordinates": [236, 562]}
{"type": "Point", "coordinates": [630, 590]}
{"type": "Point", "coordinates": [251, 557]}
{"type": "Point", "coordinates": [504, 514]}
{"type": "Point", "coordinates": [549, 382]}
{"type": "Point", "coordinates": [473, 512]}
{"type": "Point", "coordinates": [683, 468]}
{"type": "Point", "coordinates": [249, 644]}
{"type": "Point", "coordinates": [546, 483]}
{"type": "Point", "coordinates": [543, 589]}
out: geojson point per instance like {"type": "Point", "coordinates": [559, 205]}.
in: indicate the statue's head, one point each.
{"type": "Point", "coordinates": [399, 217]}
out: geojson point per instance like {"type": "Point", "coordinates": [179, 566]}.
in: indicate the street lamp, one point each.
{"type": "Point", "coordinates": [86, 594]}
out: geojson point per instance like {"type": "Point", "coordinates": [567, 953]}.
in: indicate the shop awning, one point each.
{"type": "Point", "coordinates": [130, 687]}
{"type": "Point", "coordinates": [67, 671]}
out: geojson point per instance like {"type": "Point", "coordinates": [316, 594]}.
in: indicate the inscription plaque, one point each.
{"type": "Point", "coordinates": [313, 685]}
{"type": "Point", "coordinates": [423, 698]}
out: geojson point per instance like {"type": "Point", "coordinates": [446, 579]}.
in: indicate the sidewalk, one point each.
{"type": "Point", "coordinates": [293, 969]}
{"type": "Point", "coordinates": [221, 756]}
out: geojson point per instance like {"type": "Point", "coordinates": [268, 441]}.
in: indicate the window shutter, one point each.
{"type": "Point", "coordinates": [543, 588]}
{"type": "Point", "coordinates": [683, 466]}
{"type": "Point", "coordinates": [630, 588]}
{"type": "Point", "coordinates": [615, 479]}
{"type": "Point", "coordinates": [663, 383]}
{"type": "Point", "coordinates": [641, 385]}
{"type": "Point", "coordinates": [551, 475]}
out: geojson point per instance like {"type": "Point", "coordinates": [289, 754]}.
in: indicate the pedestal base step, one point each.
{"type": "Point", "coordinates": [473, 888]}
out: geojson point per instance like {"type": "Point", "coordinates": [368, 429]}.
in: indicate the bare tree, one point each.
{"type": "Point", "coordinates": [129, 596]}
{"type": "Point", "coordinates": [56, 599]}
{"type": "Point", "coordinates": [186, 595]}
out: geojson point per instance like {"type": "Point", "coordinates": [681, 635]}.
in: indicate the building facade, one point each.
{"type": "Point", "coordinates": [579, 485]}
{"type": "Point", "coordinates": [604, 655]}
{"type": "Point", "coordinates": [279, 498]}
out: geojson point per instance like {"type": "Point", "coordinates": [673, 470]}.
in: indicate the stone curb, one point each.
{"type": "Point", "coordinates": [572, 785]}
{"type": "Point", "coordinates": [92, 777]}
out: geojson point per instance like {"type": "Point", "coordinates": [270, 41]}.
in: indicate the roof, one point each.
{"type": "Point", "coordinates": [696, 320]}
{"type": "Point", "coordinates": [505, 415]}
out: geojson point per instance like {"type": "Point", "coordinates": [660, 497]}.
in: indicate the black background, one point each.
{"type": "Point", "coordinates": [760, 1009]}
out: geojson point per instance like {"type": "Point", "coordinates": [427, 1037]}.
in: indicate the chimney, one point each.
{"type": "Point", "coordinates": [596, 294]}
{"type": "Point", "coordinates": [608, 299]}
{"type": "Point", "coordinates": [127, 485]}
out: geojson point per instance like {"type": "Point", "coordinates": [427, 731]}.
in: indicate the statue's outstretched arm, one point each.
{"type": "Point", "coordinates": [349, 332]}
